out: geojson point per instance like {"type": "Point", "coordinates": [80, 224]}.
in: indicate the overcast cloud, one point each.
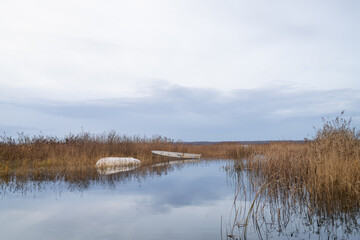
{"type": "Point", "coordinates": [191, 70]}
{"type": "Point", "coordinates": [187, 113]}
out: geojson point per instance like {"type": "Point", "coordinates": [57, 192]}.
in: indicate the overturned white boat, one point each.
{"type": "Point", "coordinates": [177, 154]}
{"type": "Point", "coordinates": [111, 165]}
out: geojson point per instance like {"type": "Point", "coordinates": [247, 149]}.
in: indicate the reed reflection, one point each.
{"type": "Point", "coordinates": [267, 209]}
{"type": "Point", "coordinates": [84, 179]}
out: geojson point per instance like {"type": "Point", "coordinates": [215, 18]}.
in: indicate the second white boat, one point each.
{"type": "Point", "coordinates": [177, 154]}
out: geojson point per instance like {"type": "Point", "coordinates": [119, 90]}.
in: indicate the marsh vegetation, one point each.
{"type": "Point", "coordinates": [317, 180]}
{"type": "Point", "coordinates": [74, 157]}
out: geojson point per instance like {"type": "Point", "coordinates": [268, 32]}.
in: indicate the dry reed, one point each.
{"type": "Point", "coordinates": [319, 179]}
{"type": "Point", "coordinates": [326, 168]}
{"type": "Point", "coordinates": [73, 157]}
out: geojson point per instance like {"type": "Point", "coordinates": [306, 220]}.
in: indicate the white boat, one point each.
{"type": "Point", "coordinates": [117, 161]}
{"type": "Point", "coordinates": [110, 165]}
{"type": "Point", "coordinates": [177, 154]}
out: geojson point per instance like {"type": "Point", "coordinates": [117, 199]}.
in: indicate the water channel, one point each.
{"type": "Point", "coordinates": [193, 200]}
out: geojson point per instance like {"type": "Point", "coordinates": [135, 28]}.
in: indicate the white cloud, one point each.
{"type": "Point", "coordinates": [76, 50]}
{"type": "Point", "coordinates": [186, 113]}
{"type": "Point", "coordinates": [177, 68]}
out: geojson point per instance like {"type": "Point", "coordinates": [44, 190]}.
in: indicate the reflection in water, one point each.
{"type": "Point", "coordinates": [272, 210]}
{"type": "Point", "coordinates": [175, 162]}
{"type": "Point", "coordinates": [177, 200]}
{"type": "Point", "coordinates": [116, 169]}
{"type": "Point", "coordinates": [82, 180]}
{"type": "Point", "coordinates": [109, 170]}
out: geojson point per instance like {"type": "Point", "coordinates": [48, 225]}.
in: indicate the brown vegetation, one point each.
{"type": "Point", "coordinates": [327, 168]}
{"type": "Point", "coordinates": [324, 171]}
{"type": "Point", "coordinates": [318, 180]}
{"type": "Point", "coordinates": [74, 157]}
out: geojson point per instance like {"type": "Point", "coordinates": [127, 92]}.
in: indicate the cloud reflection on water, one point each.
{"type": "Point", "coordinates": [181, 205]}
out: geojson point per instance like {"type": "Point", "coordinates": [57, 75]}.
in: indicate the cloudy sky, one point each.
{"type": "Point", "coordinates": [192, 70]}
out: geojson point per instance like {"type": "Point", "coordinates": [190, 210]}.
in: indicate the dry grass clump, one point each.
{"type": "Point", "coordinates": [316, 182]}
{"type": "Point", "coordinates": [324, 173]}
{"type": "Point", "coordinates": [334, 165]}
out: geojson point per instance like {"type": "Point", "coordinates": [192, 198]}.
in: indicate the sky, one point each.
{"type": "Point", "coordinates": [212, 70]}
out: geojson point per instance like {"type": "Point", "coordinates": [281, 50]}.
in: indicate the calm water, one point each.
{"type": "Point", "coordinates": [184, 201]}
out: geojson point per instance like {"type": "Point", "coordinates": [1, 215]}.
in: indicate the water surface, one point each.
{"type": "Point", "coordinates": [185, 202]}
{"type": "Point", "coordinates": [181, 201]}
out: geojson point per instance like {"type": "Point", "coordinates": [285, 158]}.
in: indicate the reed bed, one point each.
{"type": "Point", "coordinates": [318, 179]}
{"type": "Point", "coordinates": [73, 157]}
{"type": "Point", "coordinates": [326, 168]}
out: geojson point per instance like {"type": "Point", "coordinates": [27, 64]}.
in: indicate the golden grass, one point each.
{"type": "Point", "coordinates": [323, 172]}
{"type": "Point", "coordinates": [317, 181]}
{"type": "Point", "coordinates": [74, 157]}
{"type": "Point", "coordinates": [319, 178]}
